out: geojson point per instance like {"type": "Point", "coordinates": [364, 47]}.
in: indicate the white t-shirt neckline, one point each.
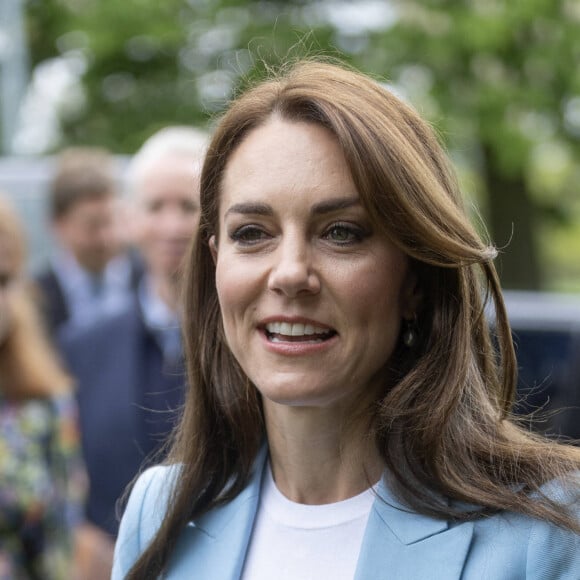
{"type": "Point", "coordinates": [293, 541]}
{"type": "Point", "coordinates": [306, 516]}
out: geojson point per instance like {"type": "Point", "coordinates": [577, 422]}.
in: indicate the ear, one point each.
{"type": "Point", "coordinates": [213, 248]}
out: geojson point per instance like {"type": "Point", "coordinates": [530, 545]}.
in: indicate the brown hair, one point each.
{"type": "Point", "coordinates": [82, 173]}
{"type": "Point", "coordinates": [29, 367]}
{"type": "Point", "coordinates": [442, 423]}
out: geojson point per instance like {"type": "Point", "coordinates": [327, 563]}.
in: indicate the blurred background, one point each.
{"type": "Point", "coordinates": [499, 80]}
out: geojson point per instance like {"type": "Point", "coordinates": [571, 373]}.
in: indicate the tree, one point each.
{"type": "Point", "coordinates": [500, 79]}
{"type": "Point", "coordinates": [150, 64]}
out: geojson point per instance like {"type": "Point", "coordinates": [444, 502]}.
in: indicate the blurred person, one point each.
{"type": "Point", "coordinates": [348, 412]}
{"type": "Point", "coordinates": [129, 366]}
{"type": "Point", "coordinates": [90, 274]}
{"type": "Point", "coordinates": [41, 476]}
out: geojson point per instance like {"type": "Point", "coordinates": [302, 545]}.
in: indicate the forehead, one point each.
{"type": "Point", "coordinates": [167, 176]}
{"type": "Point", "coordinates": [290, 160]}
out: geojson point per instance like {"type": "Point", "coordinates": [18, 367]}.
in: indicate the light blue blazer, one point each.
{"type": "Point", "coordinates": [397, 544]}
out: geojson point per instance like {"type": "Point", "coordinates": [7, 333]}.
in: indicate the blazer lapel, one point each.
{"type": "Point", "coordinates": [215, 546]}
{"type": "Point", "coordinates": [402, 545]}
{"type": "Point", "coordinates": [397, 545]}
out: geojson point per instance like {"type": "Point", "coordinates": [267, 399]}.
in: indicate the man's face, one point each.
{"type": "Point", "coordinates": [165, 213]}
{"type": "Point", "coordinates": [89, 230]}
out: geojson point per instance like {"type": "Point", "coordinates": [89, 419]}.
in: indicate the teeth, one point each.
{"type": "Point", "coordinates": [297, 329]}
{"type": "Point", "coordinates": [278, 339]}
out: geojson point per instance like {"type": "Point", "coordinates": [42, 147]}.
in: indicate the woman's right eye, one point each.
{"type": "Point", "coordinates": [248, 235]}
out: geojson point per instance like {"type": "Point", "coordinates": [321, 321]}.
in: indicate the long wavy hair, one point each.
{"type": "Point", "coordinates": [29, 367]}
{"type": "Point", "coordinates": [442, 422]}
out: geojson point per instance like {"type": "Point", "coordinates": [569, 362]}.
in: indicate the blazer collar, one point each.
{"type": "Point", "coordinates": [217, 521]}
{"type": "Point", "coordinates": [407, 526]}
{"type": "Point", "coordinates": [398, 543]}
{"type": "Point", "coordinates": [222, 535]}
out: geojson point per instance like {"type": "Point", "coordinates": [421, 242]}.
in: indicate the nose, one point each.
{"type": "Point", "coordinates": [293, 273]}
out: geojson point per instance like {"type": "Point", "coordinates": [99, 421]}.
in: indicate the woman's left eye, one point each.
{"type": "Point", "coordinates": [248, 235]}
{"type": "Point", "coordinates": [344, 234]}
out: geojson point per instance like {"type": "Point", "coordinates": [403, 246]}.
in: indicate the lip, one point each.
{"type": "Point", "coordinates": [296, 348]}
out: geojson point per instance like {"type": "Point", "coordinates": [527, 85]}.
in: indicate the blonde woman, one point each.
{"type": "Point", "coordinates": [41, 477]}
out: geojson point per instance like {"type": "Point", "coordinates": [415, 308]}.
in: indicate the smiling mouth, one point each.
{"type": "Point", "coordinates": [297, 332]}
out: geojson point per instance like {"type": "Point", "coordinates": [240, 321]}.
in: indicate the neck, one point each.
{"type": "Point", "coordinates": [318, 459]}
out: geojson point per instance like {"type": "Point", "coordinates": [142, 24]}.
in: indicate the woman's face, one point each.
{"type": "Point", "coordinates": [8, 270]}
{"type": "Point", "coordinates": [311, 295]}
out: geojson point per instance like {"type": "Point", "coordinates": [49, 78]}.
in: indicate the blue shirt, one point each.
{"type": "Point", "coordinates": [91, 297]}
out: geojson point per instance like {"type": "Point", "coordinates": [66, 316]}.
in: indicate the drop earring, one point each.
{"type": "Point", "coordinates": [410, 333]}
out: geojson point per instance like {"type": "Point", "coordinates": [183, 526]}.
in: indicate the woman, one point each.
{"type": "Point", "coordinates": [41, 480]}
{"type": "Point", "coordinates": [348, 414]}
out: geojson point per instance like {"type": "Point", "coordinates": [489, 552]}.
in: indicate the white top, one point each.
{"type": "Point", "coordinates": [293, 541]}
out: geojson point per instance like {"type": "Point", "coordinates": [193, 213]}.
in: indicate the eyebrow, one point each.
{"type": "Point", "coordinates": [335, 204]}
{"type": "Point", "coordinates": [323, 207]}
{"type": "Point", "coordinates": [250, 209]}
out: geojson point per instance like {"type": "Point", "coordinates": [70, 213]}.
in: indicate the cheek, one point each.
{"type": "Point", "coordinates": [237, 288]}
{"type": "Point", "coordinates": [231, 286]}
{"type": "Point", "coordinates": [368, 287]}
{"type": "Point", "coordinates": [230, 298]}
{"type": "Point", "coordinates": [144, 231]}
{"type": "Point", "coordinates": [376, 300]}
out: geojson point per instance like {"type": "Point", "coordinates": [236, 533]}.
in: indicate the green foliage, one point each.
{"type": "Point", "coordinates": [499, 79]}
{"type": "Point", "coordinates": [151, 64]}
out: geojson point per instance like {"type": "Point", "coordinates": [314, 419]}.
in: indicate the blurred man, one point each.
{"type": "Point", "coordinates": [89, 275]}
{"type": "Point", "coordinates": [129, 367]}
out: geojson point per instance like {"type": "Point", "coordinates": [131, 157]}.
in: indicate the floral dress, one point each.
{"type": "Point", "coordinates": [42, 483]}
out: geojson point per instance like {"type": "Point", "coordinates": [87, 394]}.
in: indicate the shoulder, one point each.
{"type": "Point", "coordinates": [520, 542]}
{"type": "Point", "coordinates": [143, 515]}
{"type": "Point", "coordinates": [149, 499]}
{"type": "Point", "coordinates": [553, 551]}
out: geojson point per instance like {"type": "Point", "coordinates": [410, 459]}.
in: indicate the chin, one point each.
{"type": "Point", "coordinates": [305, 396]}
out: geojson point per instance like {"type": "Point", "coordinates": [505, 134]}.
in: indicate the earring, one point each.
{"type": "Point", "coordinates": [410, 333]}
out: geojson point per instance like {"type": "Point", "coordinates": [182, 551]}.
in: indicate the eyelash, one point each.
{"type": "Point", "coordinates": [241, 235]}
{"type": "Point", "coordinates": [355, 233]}
{"type": "Point", "coordinates": [249, 235]}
